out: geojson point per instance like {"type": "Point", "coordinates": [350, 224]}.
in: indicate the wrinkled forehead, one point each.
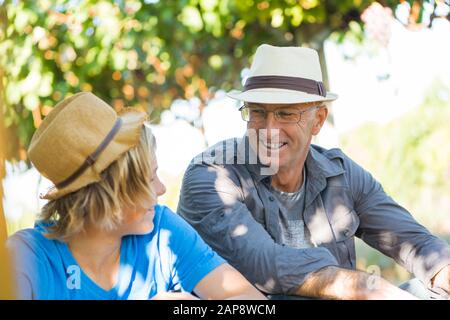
{"type": "Point", "coordinates": [273, 106]}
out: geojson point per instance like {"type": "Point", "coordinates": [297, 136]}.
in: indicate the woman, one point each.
{"type": "Point", "coordinates": [102, 235]}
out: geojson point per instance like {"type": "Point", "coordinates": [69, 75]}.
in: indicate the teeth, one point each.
{"type": "Point", "coordinates": [272, 145]}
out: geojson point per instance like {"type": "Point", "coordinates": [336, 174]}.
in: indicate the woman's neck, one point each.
{"type": "Point", "coordinates": [98, 254]}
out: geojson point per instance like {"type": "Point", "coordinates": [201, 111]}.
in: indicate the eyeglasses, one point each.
{"type": "Point", "coordinates": [282, 115]}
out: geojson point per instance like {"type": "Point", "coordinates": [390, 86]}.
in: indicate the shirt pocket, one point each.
{"type": "Point", "coordinates": [345, 225]}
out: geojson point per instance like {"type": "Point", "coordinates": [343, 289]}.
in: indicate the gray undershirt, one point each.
{"type": "Point", "coordinates": [292, 204]}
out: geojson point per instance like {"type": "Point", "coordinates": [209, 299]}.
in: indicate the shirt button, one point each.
{"type": "Point", "coordinates": [271, 198]}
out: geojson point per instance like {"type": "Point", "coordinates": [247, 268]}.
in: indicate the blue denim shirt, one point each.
{"type": "Point", "coordinates": [231, 205]}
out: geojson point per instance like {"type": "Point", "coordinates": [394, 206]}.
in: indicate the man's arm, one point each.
{"type": "Point", "coordinates": [390, 228]}
{"type": "Point", "coordinates": [339, 283]}
{"type": "Point", "coordinates": [211, 201]}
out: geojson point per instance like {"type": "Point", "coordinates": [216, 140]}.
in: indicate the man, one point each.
{"type": "Point", "coordinates": [287, 221]}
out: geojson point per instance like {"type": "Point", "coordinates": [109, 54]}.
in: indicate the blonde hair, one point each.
{"type": "Point", "coordinates": [126, 182]}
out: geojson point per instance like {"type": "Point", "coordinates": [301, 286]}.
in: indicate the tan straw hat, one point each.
{"type": "Point", "coordinates": [79, 139]}
{"type": "Point", "coordinates": [284, 75]}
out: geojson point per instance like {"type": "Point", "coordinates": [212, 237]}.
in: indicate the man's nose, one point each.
{"type": "Point", "coordinates": [271, 127]}
{"type": "Point", "coordinates": [271, 122]}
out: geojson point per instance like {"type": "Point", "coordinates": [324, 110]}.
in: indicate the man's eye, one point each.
{"type": "Point", "coordinates": [286, 114]}
{"type": "Point", "coordinates": [257, 114]}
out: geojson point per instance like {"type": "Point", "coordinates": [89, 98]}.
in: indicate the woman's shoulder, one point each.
{"type": "Point", "coordinates": [37, 261]}
{"type": "Point", "coordinates": [31, 240]}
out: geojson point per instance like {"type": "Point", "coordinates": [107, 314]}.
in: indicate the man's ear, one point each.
{"type": "Point", "coordinates": [319, 120]}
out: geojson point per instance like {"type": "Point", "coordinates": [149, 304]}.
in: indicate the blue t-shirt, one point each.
{"type": "Point", "coordinates": [171, 257]}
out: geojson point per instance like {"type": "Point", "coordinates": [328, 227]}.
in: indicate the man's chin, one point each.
{"type": "Point", "coordinates": [267, 156]}
{"type": "Point", "coordinates": [272, 164]}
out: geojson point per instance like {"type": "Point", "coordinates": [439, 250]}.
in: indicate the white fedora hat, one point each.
{"type": "Point", "coordinates": [284, 75]}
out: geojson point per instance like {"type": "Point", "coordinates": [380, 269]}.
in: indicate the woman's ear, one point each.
{"type": "Point", "coordinates": [319, 120]}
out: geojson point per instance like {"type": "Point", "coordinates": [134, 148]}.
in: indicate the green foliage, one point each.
{"type": "Point", "coordinates": [411, 158]}
{"type": "Point", "coordinates": [143, 53]}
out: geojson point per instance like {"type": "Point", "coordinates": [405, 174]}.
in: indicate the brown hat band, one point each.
{"type": "Point", "coordinates": [284, 82]}
{"type": "Point", "coordinates": [92, 157]}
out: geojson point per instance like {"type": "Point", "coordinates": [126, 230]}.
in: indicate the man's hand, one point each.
{"type": "Point", "coordinates": [442, 279]}
{"type": "Point", "coordinates": [339, 283]}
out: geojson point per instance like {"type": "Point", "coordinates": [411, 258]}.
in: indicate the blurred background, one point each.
{"type": "Point", "coordinates": [388, 61]}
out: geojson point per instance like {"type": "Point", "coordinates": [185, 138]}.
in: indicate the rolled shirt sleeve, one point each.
{"type": "Point", "coordinates": [211, 201]}
{"type": "Point", "coordinates": [391, 229]}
